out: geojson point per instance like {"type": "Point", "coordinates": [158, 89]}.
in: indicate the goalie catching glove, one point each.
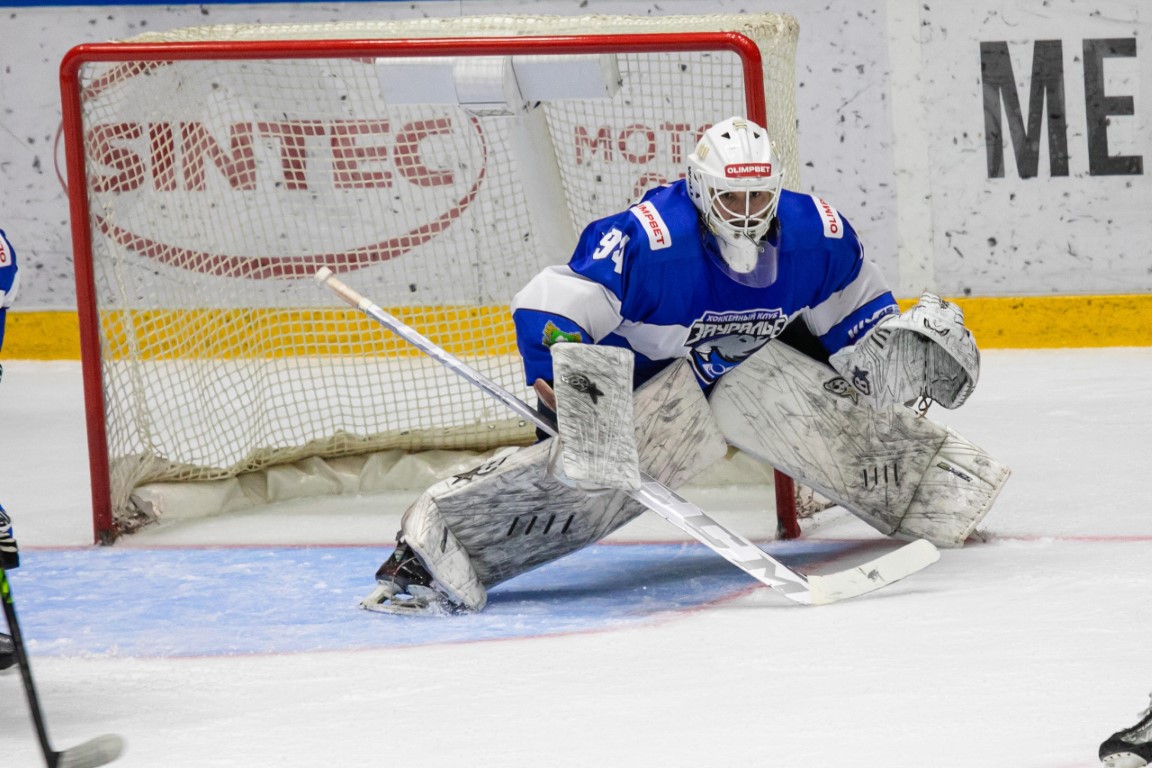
{"type": "Point", "coordinates": [924, 352]}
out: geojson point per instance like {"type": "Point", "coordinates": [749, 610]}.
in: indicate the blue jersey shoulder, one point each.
{"type": "Point", "coordinates": [7, 261]}
{"type": "Point", "coordinates": [7, 280]}
{"type": "Point", "coordinates": [819, 251]}
{"type": "Point", "coordinates": [811, 223]}
{"type": "Point", "coordinates": [663, 228]}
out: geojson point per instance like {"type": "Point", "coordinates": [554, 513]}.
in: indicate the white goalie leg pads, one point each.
{"type": "Point", "coordinates": [508, 515]}
{"type": "Point", "coordinates": [905, 476]}
{"type": "Point", "coordinates": [593, 389]}
{"type": "Point", "coordinates": [504, 518]}
{"type": "Point", "coordinates": [926, 351]}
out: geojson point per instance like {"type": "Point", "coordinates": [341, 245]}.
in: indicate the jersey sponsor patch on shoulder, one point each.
{"type": "Point", "coordinates": [658, 235]}
{"type": "Point", "coordinates": [553, 335]}
{"type": "Point", "coordinates": [833, 226]}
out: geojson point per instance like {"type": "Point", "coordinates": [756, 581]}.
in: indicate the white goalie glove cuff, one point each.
{"type": "Point", "coordinates": [924, 352]}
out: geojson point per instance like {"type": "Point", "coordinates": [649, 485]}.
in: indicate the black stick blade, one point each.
{"type": "Point", "coordinates": [94, 752]}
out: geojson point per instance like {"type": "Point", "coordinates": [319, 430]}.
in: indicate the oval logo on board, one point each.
{"type": "Point", "coordinates": [260, 169]}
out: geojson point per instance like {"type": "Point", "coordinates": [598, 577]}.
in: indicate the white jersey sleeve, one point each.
{"type": "Point", "coordinates": [559, 290]}
{"type": "Point", "coordinates": [559, 304]}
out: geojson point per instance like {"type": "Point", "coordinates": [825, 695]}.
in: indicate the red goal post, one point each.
{"type": "Point", "coordinates": [213, 170]}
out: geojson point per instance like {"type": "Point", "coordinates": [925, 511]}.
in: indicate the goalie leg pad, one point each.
{"type": "Point", "coordinates": [955, 493]}
{"type": "Point", "coordinates": [905, 476]}
{"type": "Point", "coordinates": [509, 515]}
{"type": "Point", "coordinates": [504, 518]}
{"type": "Point", "coordinates": [676, 435]}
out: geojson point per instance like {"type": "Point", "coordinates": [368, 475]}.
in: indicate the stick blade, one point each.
{"type": "Point", "coordinates": [98, 751]}
{"type": "Point", "coordinates": [874, 574]}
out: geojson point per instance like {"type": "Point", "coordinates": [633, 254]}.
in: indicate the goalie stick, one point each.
{"type": "Point", "coordinates": [798, 587]}
{"type": "Point", "coordinates": [94, 752]}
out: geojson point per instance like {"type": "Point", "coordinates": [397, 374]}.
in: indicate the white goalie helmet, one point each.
{"type": "Point", "coordinates": [734, 179]}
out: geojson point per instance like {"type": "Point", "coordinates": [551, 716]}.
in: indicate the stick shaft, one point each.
{"type": "Point", "coordinates": [25, 669]}
{"type": "Point", "coordinates": [430, 348]}
{"type": "Point", "coordinates": [92, 753]}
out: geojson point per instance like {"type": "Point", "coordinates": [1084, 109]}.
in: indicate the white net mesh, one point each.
{"type": "Point", "coordinates": [217, 188]}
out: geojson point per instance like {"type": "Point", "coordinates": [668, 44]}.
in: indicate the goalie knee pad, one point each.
{"type": "Point", "coordinates": [510, 515]}
{"type": "Point", "coordinates": [904, 475]}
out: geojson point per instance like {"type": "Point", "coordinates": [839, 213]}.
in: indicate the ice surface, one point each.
{"type": "Point", "coordinates": [236, 643]}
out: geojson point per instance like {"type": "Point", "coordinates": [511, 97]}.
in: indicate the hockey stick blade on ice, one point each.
{"type": "Point", "coordinates": [94, 752]}
{"type": "Point", "coordinates": [796, 586]}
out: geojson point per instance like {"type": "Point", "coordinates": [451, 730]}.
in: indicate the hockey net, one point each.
{"type": "Point", "coordinates": [436, 164]}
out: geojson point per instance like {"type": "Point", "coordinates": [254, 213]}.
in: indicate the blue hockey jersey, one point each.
{"type": "Point", "coordinates": [645, 279]}
{"type": "Point", "coordinates": [9, 280]}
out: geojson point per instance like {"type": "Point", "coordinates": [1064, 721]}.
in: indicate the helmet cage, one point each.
{"type": "Point", "coordinates": [734, 180]}
{"type": "Point", "coordinates": [737, 208]}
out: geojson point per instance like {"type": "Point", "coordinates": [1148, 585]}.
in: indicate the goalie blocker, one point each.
{"type": "Point", "coordinates": [596, 447]}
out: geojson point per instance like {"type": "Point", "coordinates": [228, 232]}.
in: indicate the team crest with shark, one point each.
{"type": "Point", "coordinates": [722, 340]}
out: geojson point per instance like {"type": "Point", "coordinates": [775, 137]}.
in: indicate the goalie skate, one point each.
{"type": "Point", "coordinates": [416, 601]}
{"type": "Point", "coordinates": [1131, 747]}
{"type": "Point", "coordinates": [404, 587]}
